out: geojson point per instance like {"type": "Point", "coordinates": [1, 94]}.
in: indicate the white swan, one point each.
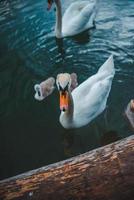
{"type": "Point", "coordinates": [87, 100]}
{"type": "Point", "coordinates": [78, 17]}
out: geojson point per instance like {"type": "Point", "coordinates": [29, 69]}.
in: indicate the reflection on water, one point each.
{"type": "Point", "coordinates": [60, 45]}
{"type": "Point", "coordinates": [30, 134]}
{"type": "Point", "coordinates": [109, 137]}
{"type": "Point", "coordinates": [82, 38]}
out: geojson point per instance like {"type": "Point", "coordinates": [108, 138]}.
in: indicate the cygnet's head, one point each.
{"type": "Point", "coordinates": [38, 93]}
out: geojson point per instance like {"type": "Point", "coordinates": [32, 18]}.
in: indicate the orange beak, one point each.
{"type": "Point", "coordinates": [64, 100]}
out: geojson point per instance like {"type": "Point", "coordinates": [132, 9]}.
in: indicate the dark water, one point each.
{"type": "Point", "coordinates": [30, 134]}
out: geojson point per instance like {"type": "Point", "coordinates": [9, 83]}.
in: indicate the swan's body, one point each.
{"type": "Point", "coordinates": [78, 17]}
{"type": "Point", "coordinates": [89, 99]}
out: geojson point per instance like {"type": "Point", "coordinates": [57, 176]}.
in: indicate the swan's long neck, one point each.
{"type": "Point", "coordinates": [58, 26]}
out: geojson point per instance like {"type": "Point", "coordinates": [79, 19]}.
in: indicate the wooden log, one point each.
{"type": "Point", "coordinates": [106, 173]}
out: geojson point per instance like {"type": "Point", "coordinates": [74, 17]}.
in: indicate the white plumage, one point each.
{"type": "Point", "coordinates": [90, 97]}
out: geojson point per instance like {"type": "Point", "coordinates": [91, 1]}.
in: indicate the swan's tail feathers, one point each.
{"type": "Point", "coordinates": [108, 66]}
{"type": "Point", "coordinates": [89, 10]}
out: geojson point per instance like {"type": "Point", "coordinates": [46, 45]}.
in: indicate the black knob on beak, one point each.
{"type": "Point", "coordinates": [63, 109]}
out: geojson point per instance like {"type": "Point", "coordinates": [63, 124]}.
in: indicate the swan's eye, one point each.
{"type": "Point", "coordinates": [60, 88]}
{"type": "Point", "coordinates": [58, 85]}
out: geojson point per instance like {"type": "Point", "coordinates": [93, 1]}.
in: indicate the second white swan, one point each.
{"type": "Point", "coordinates": [78, 17]}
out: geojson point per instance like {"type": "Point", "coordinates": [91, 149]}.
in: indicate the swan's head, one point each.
{"type": "Point", "coordinates": [50, 3]}
{"type": "Point", "coordinates": [63, 82]}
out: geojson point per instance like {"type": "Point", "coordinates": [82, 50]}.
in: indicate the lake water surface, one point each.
{"type": "Point", "coordinates": [30, 133]}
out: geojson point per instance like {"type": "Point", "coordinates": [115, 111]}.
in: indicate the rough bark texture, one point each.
{"type": "Point", "coordinates": [106, 173]}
